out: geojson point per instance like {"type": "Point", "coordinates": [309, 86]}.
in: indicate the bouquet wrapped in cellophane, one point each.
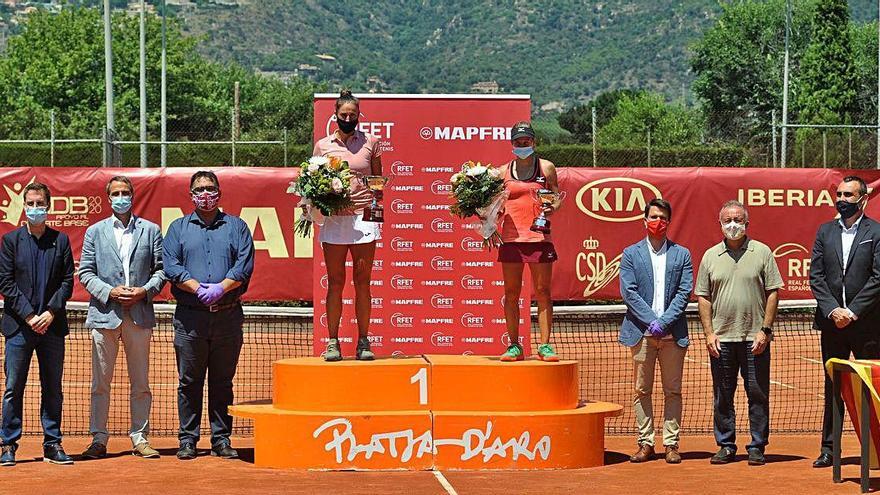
{"type": "Point", "coordinates": [478, 190]}
{"type": "Point", "coordinates": [323, 184]}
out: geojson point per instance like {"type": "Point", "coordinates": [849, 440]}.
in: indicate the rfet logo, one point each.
{"type": "Point", "coordinates": [400, 320]}
{"type": "Point", "coordinates": [399, 282]}
{"type": "Point", "coordinates": [441, 188]}
{"type": "Point", "coordinates": [439, 339]}
{"type": "Point", "coordinates": [323, 320]}
{"type": "Point", "coordinates": [375, 340]}
{"type": "Point", "coordinates": [794, 263]}
{"type": "Point", "coordinates": [505, 339]}
{"type": "Point", "coordinates": [381, 130]}
{"type": "Point", "coordinates": [471, 245]}
{"type": "Point", "coordinates": [439, 301]}
{"type": "Point", "coordinates": [401, 245]}
{"type": "Point", "coordinates": [401, 169]}
{"type": "Point", "coordinates": [472, 283]}
{"type": "Point", "coordinates": [442, 264]}
{"type": "Point", "coordinates": [441, 226]}
{"type": "Point", "coordinates": [616, 199]}
{"type": "Point", "coordinates": [469, 320]}
{"type": "Point", "coordinates": [325, 282]}
{"type": "Point", "coordinates": [400, 206]}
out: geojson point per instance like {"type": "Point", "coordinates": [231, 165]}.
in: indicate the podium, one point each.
{"type": "Point", "coordinates": [427, 412]}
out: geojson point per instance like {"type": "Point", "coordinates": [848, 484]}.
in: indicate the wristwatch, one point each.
{"type": "Point", "coordinates": [767, 331]}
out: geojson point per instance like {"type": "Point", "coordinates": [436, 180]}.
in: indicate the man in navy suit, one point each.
{"type": "Point", "coordinates": [844, 278]}
{"type": "Point", "coordinates": [36, 280]}
{"type": "Point", "coordinates": [656, 278]}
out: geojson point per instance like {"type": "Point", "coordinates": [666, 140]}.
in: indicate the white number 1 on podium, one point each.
{"type": "Point", "coordinates": [422, 378]}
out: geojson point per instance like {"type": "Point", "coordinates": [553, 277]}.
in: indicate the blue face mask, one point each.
{"type": "Point", "coordinates": [523, 153]}
{"type": "Point", "coordinates": [120, 204]}
{"type": "Point", "coordinates": [36, 215]}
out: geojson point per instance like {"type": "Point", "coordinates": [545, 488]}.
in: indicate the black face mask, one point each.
{"type": "Point", "coordinates": [847, 209]}
{"type": "Point", "coordinates": [347, 126]}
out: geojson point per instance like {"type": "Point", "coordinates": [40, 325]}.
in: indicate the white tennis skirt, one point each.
{"type": "Point", "coordinates": [348, 229]}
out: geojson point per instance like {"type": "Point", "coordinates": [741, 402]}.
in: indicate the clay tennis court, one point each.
{"type": "Point", "coordinates": [796, 405]}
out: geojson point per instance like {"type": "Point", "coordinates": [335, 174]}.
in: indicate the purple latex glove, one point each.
{"type": "Point", "coordinates": [208, 294]}
{"type": "Point", "coordinates": [655, 329]}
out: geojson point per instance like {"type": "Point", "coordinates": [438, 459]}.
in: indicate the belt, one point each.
{"type": "Point", "coordinates": [214, 308]}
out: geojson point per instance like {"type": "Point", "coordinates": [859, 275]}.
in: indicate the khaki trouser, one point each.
{"type": "Point", "coordinates": [105, 347]}
{"type": "Point", "coordinates": [645, 354]}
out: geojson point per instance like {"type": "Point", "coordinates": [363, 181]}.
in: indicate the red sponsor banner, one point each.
{"type": "Point", "coordinates": [603, 214]}
{"type": "Point", "coordinates": [435, 289]}
{"type": "Point", "coordinates": [161, 196]}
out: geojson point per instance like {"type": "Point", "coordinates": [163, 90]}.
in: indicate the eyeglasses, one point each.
{"type": "Point", "coordinates": [846, 194]}
{"type": "Point", "coordinates": [202, 189]}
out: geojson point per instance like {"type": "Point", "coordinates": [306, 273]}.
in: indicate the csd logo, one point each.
{"type": "Point", "coordinates": [616, 199]}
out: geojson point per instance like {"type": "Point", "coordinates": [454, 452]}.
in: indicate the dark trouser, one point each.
{"type": "Point", "coordinates": [206, 342]}
{"type": "Point", "coordinates": [50, 355]}
{"type": "Point", "coordinates": [737, 358]}
{"type": "Point", "coordinates": [839, 344]}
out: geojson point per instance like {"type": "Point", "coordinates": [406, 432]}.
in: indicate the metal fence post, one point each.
{"type": "Point", "coordinates": [52, 138]}
{"type": "Point", "coordinates": [105, 152]}
{"type": "Point", "coordinates": [593, 134]}
{"type": "Point", "coordinates": [849, 153]}
{"type": "Point", "coordinates": [285, 147]}
{"type": "Point", "coordinates": [649, 147]}
{"type": "Point", "coordinates": [773, 126]}
{"type": "Point", "coordinates": [233, 137]}
{"type": "Point", "coordinates": [824, 149]}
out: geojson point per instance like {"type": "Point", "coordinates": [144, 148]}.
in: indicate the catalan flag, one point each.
{"type": "Point", "coordinates": [855, 375]}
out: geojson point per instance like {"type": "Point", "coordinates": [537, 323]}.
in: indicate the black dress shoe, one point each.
{"type": "Point", "coordinates": [186, 451]}
{"type": "Point", "coordinates": [224, 451]}
{"type": "Point", "coordinates": [54, 454]}
{"type": "Point", "coordinates": [824, 460]}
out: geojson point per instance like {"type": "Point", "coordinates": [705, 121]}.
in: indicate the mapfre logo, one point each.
{"type": "Point", "coordinates": [439, 301]}
{"type": "Point", "coordinates": [469, 320]}
{"type": "Point", "coordinates": [465, 133]}
{"type": "Point", "coordinates": [401, 169]}
{"type": "Point", "coordinates": [402, 245]}
{"type": "Point", "coordinates": [400, 320]}
{"type": "Point", "coordinates": [442, 264]}
{"type": "Point", "coordinates": [441, 188]}
{"type": "Point", "coordinates": [439, 339]}
{"type": "Point", "coordinates": [472, 283]}
{"type": "Point", "coordinates": [401, 207]}
{"type": "Point", "coordinates": [399, 282]}
{"type": "Point", "coordinates": [616, 199]}
{"type": "Point", "coordinates": [441, 226]}
{"type": "Point", "coordinates": [471, 245]}
{"type": "Point", "coordinates": [381, 130]}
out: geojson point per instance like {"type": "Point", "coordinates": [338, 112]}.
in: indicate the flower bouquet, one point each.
{"type": "Point", "coordinates": [323, 184]}
{"type": "Point", "coordinates": [478, 190]}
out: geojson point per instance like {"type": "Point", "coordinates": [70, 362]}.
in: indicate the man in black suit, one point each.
{"type": "Point", "coordinates": [845, 278]}
{"type": "Point", "coordinates": [36, 280]}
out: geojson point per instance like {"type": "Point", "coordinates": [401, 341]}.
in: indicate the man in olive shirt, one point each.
{"type": "Point", "coordinates": [737, 296]}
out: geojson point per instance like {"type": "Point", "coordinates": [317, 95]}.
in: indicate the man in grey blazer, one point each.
{"type": "Point", "coordinates": [656, 278]}
{"type": "Point", "coordinates": [121, 267]}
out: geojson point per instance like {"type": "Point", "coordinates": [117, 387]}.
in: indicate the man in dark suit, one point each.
{"type": "Point", "coordinates": [656, 278]}
{"type": "Point", "coordinates": [36, 280]}
{"type": "Point", "coordinates": [844, 277]}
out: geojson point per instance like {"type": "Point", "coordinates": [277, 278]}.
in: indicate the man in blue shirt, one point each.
{"type": "Point", "coordinates": [36, 280]}
{"type": "Point", "coordinates": [209, 258]}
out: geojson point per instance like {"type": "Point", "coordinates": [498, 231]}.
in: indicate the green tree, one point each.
{"type": "Point", "coordinates": [57, 64]}
{"type": "Point", "coordinates": [578, 119]}
{"type": "Point", "coordinates": [668, 124]}
{"type": "Point", "coordinates": [827, 80]}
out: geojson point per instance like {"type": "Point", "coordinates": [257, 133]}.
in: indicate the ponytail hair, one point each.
{"type": "Point", "coordinates": [345, 96]}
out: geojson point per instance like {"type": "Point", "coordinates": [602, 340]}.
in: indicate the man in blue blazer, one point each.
{"type": "Point", "coordinates": [121, 267]}
{"type": "Point", "coordinates": [656, 278]}
{"type": "Point", "coordinates": [36, 280]}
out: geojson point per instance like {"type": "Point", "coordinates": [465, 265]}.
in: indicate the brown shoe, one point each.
{"type": "Point", "coordinates": [672, 455]}
{"type": "Point", "coordinates": [645, 453]}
